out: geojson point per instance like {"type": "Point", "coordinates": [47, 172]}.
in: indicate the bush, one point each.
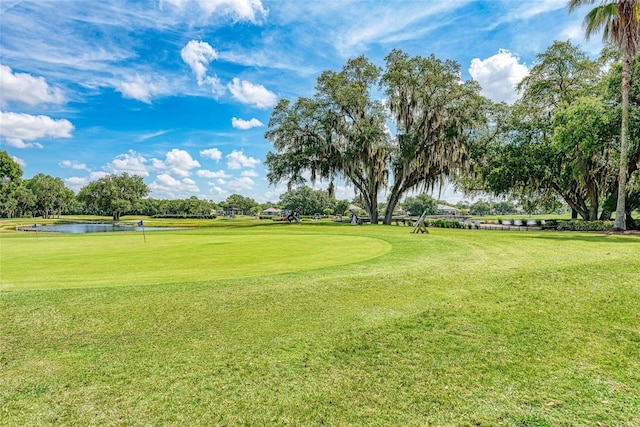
{"type": "Point", "coordinates": [443, 223]}
{"type": "Point", "coordinates": [580, 225]}
{"type": "Point", "coordinates": [185, 216]}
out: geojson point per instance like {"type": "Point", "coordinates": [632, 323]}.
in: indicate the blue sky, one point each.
{"type": "Point", "coordinates": [180, 91]}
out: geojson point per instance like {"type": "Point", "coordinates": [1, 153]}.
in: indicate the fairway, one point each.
{"type": "Point", "coordinates": [114, 259]}
{"type": "Point", "coordinates": [321, 324]}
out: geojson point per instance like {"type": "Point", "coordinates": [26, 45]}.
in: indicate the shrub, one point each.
{"type": "Point", "coordinates": [443, 223]}
{"type": "Point", "coordinates": [185, 216]}
{"type": "Point", "coordinates": [580, 225]}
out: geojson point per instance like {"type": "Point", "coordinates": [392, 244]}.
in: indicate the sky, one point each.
{"type": "Point", "coordinates": [180, 91]}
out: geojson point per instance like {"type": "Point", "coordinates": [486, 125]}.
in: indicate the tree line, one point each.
{"type": "Point", "coordinates": [113, 195]}
{"type": "Point", "coordinates": [124, 194]}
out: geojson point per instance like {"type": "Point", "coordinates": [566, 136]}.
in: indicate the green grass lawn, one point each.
{"type": "Point", "coordinates": [320, 324]}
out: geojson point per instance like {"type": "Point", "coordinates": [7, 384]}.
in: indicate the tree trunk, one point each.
{"type": "Point", "coordinates": [394, 198]}
{"type": "Point", "coordinates": [373, 211]}
{"type": "Point", "coordinates": [391, 205]}
{"type": "Point", "coordinates": [593, 199]}
{"type": "Point", "coordinates": [620, 223]}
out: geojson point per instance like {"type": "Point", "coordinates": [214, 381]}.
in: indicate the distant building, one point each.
{"type": "Point", "coordinates": [447, 210]}
{"type": "Point", "coordinates": [272, 211]}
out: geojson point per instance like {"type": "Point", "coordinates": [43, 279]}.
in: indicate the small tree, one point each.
{"type": "Point", "coordinates": [504, 208]}
{"type": "Point", "coordinates": [421, 203]}
{"type": "Point", "coordinates": [238, 201]}
{"type": "Point", "coordinates": [311, 201]}
{"type": "Point", "coordinates": [480, 209]}
{"type": "Point", "coordinates": [341, 207]}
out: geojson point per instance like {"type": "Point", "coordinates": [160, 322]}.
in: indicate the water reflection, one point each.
{"type": "Point", "coordinates": [93, 228]}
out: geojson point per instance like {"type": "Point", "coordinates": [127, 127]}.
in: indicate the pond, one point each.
{"type": "Point", "coordinates": [93, 228]}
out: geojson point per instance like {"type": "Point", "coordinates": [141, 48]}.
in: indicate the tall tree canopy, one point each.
{"type": "Point", "coordinates": [51, 195]}
{"type": "Point", "coordinates": [558, 138]}
{"type": "Point", "coordinates": [436, 117]}
{"type": "Point", "coordinates": [10, 184]}
{"type": "Point", "coordinates": [339, 133]}
{"type": "Point", "coordinates": [619, 22]}
{"type": "Point", "coordinates": [114, 194]}
{"type": "Point", "coordinates": [613, 97]}
{"type": "Point", "coordinates": [342, 131]}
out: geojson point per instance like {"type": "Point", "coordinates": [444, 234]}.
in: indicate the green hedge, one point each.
{"type": "Point", "coordinates": [184, 216]}
{"type": "Point", "coordinates": [443, 223]}
{"type": "Point", "coordinates": [580, 225]}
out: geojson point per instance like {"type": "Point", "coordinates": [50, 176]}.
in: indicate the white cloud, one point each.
{"type": "Point", "coordinates": [18, 143]}
{"type": "Point", "coordinates": [141, 88]}
{"type": "Point", "coordinates": [217, 191]}
{"type": "Point", "coordinates": [529, 10]}
{"type": "Point", "coordinates": [245, 124]}
{"type": "Point", "coordinates": [177, 163]}
{"type": "Point", "coordinates": [198, 55]}
{"type": "Point", "coordinates": [132, 163]}
{"type": "Point", "coordinates": [241, 184]}
{"type": "Point", "coordinates": [19, 161]}
{"type": "Point", "coordinates": [356, 29]}
{"type": "Point", "coordinates": [212, 174]}
{"type": "Point", "coordinates": [499, 75]}
{"type": "Point", "coordinates": [72, 164]}
{"type": "Point", "coordinates": [238, 160]}
{"type": "Point", "coordinates": [525, 11]}
{"type": "Point", "coordinates": [17, 128]}
{"type": "Point", "coordinates": [166, 185]}
{"type": "Point", "coordinates": [238, 10]}
{"type": "Point", "coordinates": [344, 192]}
{"type": "Point", "coordinates": [575, 32]}
{"type": "Point", "coordinates": [250, 173]}
{"type": "Point", "coordinates": [144, 137]}
{"type": "Point", "coordinates": [94, 176]}
{"type": "Point", "coordinates": [211, 153]}
{"type": "Point", "coordinates": [76, 183]}
{"type": "Point", "coordinates": [252, 94]}
{"type": "Point", "coordinates": [25, 88]}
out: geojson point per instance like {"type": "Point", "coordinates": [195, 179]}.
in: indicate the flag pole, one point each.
{"type": "Point", "coordinates": [141, 224]}
{"type": "Point", "coordinates": [35, 227]}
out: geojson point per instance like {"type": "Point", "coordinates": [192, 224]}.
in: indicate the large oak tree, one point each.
{"type": "Point", "coordinates": [342, 131]}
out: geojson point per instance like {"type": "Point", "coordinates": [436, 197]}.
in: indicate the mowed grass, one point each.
{"type": "Point", "coordinates": [54, 261]}
{"type": "Point", "coordinates": [454, 328]}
